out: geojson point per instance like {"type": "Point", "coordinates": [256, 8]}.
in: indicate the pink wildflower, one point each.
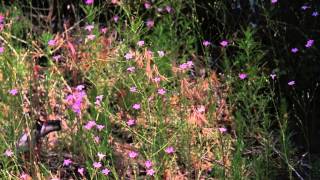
{"type": "Point", "coordinates": [97, 165]}
{"type": "Point", "coordinates": [1, 19]}
{"type": "Point", "coordinates": [160, 53]}
{"type": "Point", "coordinates": [13, 92]}
{"type": "Point", "coordinates": [8, 153]}
{"type": "Point", "coordinates": [150, 23]}
{"type": "Point", "coordinates": [273, 76]}
{"type": "Point", "coordinates": [294, 50]}
{"type": "Point", "coordinates": [100, 127]}
{"type": "Point", "coordinates": [89, 27]}
{"type": "Point", "coordinates": [291, 83]}
{"type": "Point", "coordinates": [96, 139]}
{"type": "Point", "coordinates": [91, 36]}
{"type": "Point", "coordinates": [161, 91]}
{"type": "Point", "coordinates": [24, 176]}
{"type": "Point", "coordinates": [1, 50]}
{"type": "Point", "coordinates": [242, 75]}
{"type": "Point", "coordinates": [133, 154]}
{"type": "Point", "coordinates": [274, 1]}
{"type": "Point", "coordinates": [222, 129]}
{"type": "Point", "coordinates": [169, 150]}
{"type": "Point", "coordinates": [150, 172]}
{"type": "Point", "coordinates": [147, 5]}
{"type": "Point", "coordinates": [131, 69]}
{"type": "Point", "coordinates": [105, 171]}
{"type": "Point", "coordinates": [133, 89]}
{"type": "Point", "coordinates": [115, 18]}
{"type": "Point", "coordinates": [131, 122]}
{"type": "Point", "coordinates": [136, 106]}
{"type": "Point", "coordinates": [67, 162]}
{"type": "Point", "coordinates": [52, 42]}
{"type": "Point", "coordinates": [309, 43]}
{"type": "Point", "coordinates": [206, 43]}
{"type": "Point", "coordinates": [140, 43]}
{"type": "Point", "coordinates": [128, 56]}
{"type": "Point", "coordinates": [148, 164]}
{"type": "Point", "coordinates": [57, 57]}
{"type": "Point", "coordinates": [157, 79]}
{"type": "Point", "coordinates": [81, 171]}
{"type": "Point", "coordinates": [90, 125]}
{"type": "Point", "coordinates": [101, 156]}
{"type": "Point", "coordinates": [168, 9]}
{"type": "Point", "coordinates": [89, 2]}
{"type": "Point", "coordinates": [224, 43]}
{"type": "Point", "coordinates": [104, 30]}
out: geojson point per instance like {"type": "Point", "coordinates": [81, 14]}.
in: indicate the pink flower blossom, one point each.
{"type": "Point", "coordinates": [274, 1]}
{"type": "Point", "coordinates": [148, 164]}
{"type": "Point", "coordinates": [57, 57]}
{"type": "Point", "coordinates": [97, 165]}
{"type": "Point", "coordinates": [115, 18]}
{"type": "Point", "coordinates": [67, 162]}
{"type": "Point", "coordinates": [128, 56]}
{"type": "Point", "coordinates": [131, 69]}
{"type": "Point", "coordinates": [315, 14]}
{"type": "Point", "coordinates": [147, 5]}
{"type": "Point", "coordinates": [160, 53]}
{"type": "Point", "coordinates": [168, 9]}
{"type": "Point", "coordinates": [104, 30]}
{"type": "Point", "coordinates": [90, 125]}
{"type": "Point", "coordinates": [201, 109]}
{"type": "Point", "coordinates": [89, 2]}
{"type": "Point", "coordinates": [52, 42]}
{"type": "Point", "coordinates": [140, 43]}
{"type": "Point", "coordinates": [291, 83]}
{"type": "Point", "coordinates": [100, 127]}
{"type": "Point", "coordinates": [24, 176]}
{"type": "Point", "coordinates": [1, 19]}
{"type": "Point", "coordinates": [133, 89]}
{"type": "Point", "coordinates": [294, 50]}
{"type": "Point", "coordinates": [89, 27]}
{"type": "Point", "coordinates": [96, 139]}
{"type": "Point", "coordinates": [157, 79]}
{"type": "Point", "coordinates": [150, 23]}
{"type": "Point", "coordinates": [206, 43]}
{"type": "Point", "coordinates": [131, 122]}
{"type": "Point", "coordinates": [8, 153]}
{"type": "Point", "coordinates": [309, 43]}
{"type": "Point", "coordinates": [91, 36]}
{"type": "Point", "coordinates": [222, 129]}
{"type": "Point", "coordinates": [105, 171]}
{"type": "Point", "coordinates": [189, 64]}
{"type": "Point", "coordinates": [273, 76]}
{"type": "Point", "coordinates": [133, 154]}
{"type": "Point", "coordinates": [161, 91]}
{"type": "Point", "coordinates": [101, 156]}
{"type": "Point", "coordinates": [1, 50]}
{"type": "Point", "coordinates": [81, 171]}
{"type": "Point", "coordinates": [224, 43]}
{"type": "Point", "coordinates": [150, 172]}
{"type": "Point", "coordinates": [13, 92]}
{"type": "Point", "coordinates": [242, 75]}
{"type": "Point", "coordinates": [169, 150]}
{"type": "Point", "coordinates": [136, 106]}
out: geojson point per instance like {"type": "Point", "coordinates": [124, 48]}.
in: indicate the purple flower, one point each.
{"type": "Point", "coordinates": [294, 50]}
{"type": "Point", "coordinates": [157, 79]}
{"type": "Point", "coordinates": [304, 7]}
{"type": "Point", "coordinates": [242, 76]}
{"type": "Point", "coordinates": [133, 154]}
{"type": "Point", "coordinates": [128, 56]}
{"type": "Point", "coordinates": [150, 172]}
{"type": "Point", "coordinates": [67, 162]}
{"type": "Point", "coordinates": [161, 91]}
{"type": "Point", "coordinates": [201, 109]}
{"type": "Point", "coordinates": [131, 69]}
{"type": "Point", "coordinates": [309, 43]}
{"type": "Point", "coordinates": [183, 66]}
{"type": "Point", "coordinates": [150, 23]}
{"type": "Point", "coordinates": [97, 165]}
{"type": "Point", "coordinates": [222, 130]}
{"type": "Point", "coordinates": [206, 43]}
{"type": "Point", "coordinates": [131, 122]}
{"type": "Point", "coordinates": [24, 176]}
{"type": "Point", "coordinates": [96, 139]}
{"type": "Point", "coordinates": [274, 1]}
{"type": "Point", "coordinates": [189, 64]}
{"type": "Point", "coordinates": [291, 83]}
{"type": "Point", "coordinates": [104, 30]}
{"type": "Point", "coordinates": [148, 164]}
{"type": "Point", "coordinates": [136, 106]}
{"type": "Point", "coordinates": [169, 150]}
{"type": "Point", "coordinates": [140, 43]}
{"type": "Point", "coordinates": [52, 42]}
{"type": "Point", "coordinates": [105, 171]}
{"type": "Point", "coordinates": [133, 89]}
{"type": "Point", "coordinates": [224, 43]}
{"type": "Point", "coordinates": [1, 50]}
{"type": "Point", "coordinates": [315, 14]}
{"type": "Point", "coordinates": [89, 2]}
{"type": "Point", "coordinates": [13, 92]}
{"type": "Point", "coordinates": [8, 153]}
{"type": "Point", "coordinates": [273, 76]}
